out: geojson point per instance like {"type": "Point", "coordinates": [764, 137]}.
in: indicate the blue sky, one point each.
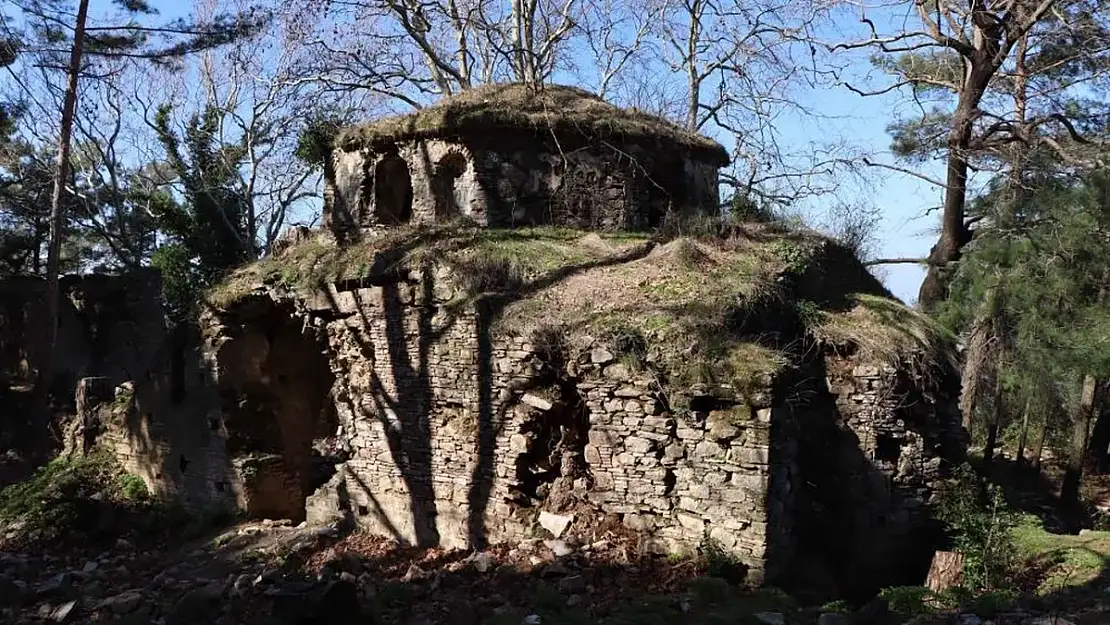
{"type": "Point", "coordinates": [905, 230]}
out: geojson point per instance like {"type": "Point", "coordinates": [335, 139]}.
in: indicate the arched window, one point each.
{"type": "Point", "coordinates": [392, 191]}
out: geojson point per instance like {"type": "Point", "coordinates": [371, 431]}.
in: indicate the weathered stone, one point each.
{"type": "Point", "coordinates": [536, 402]}
{"type": "Point", "coordinates": [555, 523]}
{"type": "Point", "coordinates": [601, 356]}
{"type": "Point", "coordinates": [639, 445]}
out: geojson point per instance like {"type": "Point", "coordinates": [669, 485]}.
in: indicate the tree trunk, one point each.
{"type": "Point", "coordinates": [946, 571]}
{"type": "Point", "coordinates": [1077, 452]}
{"type": "Point", "coordinates": [1099, 443]}
{"type": "Point", "coordinates": [992, 427]}
{"type": "Point", "coordinates": [1023, 437]}
{"type": "Point", "coordinates": [57, 221]}
{"type": "Point", "coordinates": [954, 233]}
{"type": "Point", "coordinates": [1040, 447]}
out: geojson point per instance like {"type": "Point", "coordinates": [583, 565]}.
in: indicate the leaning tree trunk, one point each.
{"type": "Point", "coordinates": [53, 262]}
{"type": "Point", "coordinates": [954, 233]}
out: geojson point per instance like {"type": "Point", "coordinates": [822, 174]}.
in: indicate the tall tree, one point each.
{"type": "Point", "coordinates": [969, 59]}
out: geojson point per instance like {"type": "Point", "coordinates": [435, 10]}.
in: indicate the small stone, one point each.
{"type": "Point", "coordinates": [482, 561]}
{"type": "Point", "coordinates": [573, 584]}
{"type": "Point", "coordinates": [968, 619]}
{"type": "Point", "coordinates": [601, 356]}
{"type": "Point", "coordinates": [770, 618]}
{"type": "Point", "coordinates": [617, 371]}
{"type": "Point", "coordinates": [555, 523]}
{"type": "Point", "coordinates": [124, 544]}
{"type": "Point", "coordinates": [89, 567]}
{"type": "Point", "coordinates": [560, 547]}
{"type": "Point", "coordinates": [123, 603]}
{"type": "Point", "coordinates": [832, 618]}
{"type": "Point", "coordinates": [574, 600]}
{"type": "Point", "coordinates": [531, 619]}
{"type": "Point", "coordinates": [62, 613]}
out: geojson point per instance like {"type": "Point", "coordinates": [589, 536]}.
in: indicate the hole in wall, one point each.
{"type": "Point", "coordinates": [363, 510]}
{"type": "Point", "coordinates": [214, 424]}
{"type": "Point", "coordinates": [887, 448]}
{"type": "Point", "coordinates": [220, 486]}
{"type": "Point", "coordinates": [183, 463]}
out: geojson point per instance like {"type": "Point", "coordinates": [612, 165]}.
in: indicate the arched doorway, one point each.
{"type": "Point", "coordinates": [448, 194]}
{"type": "Point", "coordinates": [392, 191]}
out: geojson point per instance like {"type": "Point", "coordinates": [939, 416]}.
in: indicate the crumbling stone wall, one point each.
{"type": "Point", "coordinates": [514, 180]}
{"type": "Point", "coordinates": [137, 386]}
{"type": "Point", "coordinates": [108, 326]}
{"type": "Point", "coordinates": [452, 430]}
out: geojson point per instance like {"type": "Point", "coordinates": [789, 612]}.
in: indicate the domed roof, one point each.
{"type": "Point", "coordinates": [556, 109]}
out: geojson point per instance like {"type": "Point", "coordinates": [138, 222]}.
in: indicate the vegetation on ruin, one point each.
{"type": "Point", "coordinates": [551, 110]}
{"type": "Point", "coordinates": [65, 498]}
{"type": "Point", "coordinates": [726, 304]}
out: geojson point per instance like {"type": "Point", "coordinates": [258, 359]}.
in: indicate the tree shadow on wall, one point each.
{"type": "Point", "coordinates": [403, 400]}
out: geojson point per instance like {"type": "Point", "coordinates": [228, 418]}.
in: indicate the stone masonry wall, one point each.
{"type": "Point", "coordinates": [453, 433]}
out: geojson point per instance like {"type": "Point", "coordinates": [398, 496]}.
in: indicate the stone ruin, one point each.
{"type": "Point", "coordinates": [506, 156]}
{"type": "Point", "coordinates": [391, 398]}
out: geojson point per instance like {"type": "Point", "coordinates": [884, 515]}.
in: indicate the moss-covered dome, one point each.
{"type": "Point", "coordinates": [559, 110]}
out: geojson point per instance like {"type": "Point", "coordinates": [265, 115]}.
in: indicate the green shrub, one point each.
{"type": "Point", "coordinates": [133, 487]}
{"type": "Point", "coordinates": [719, 562]}
{"type": "Point", "coordinates": [909, 601]}
{"type": "Point", "coordinates": [981, 525]}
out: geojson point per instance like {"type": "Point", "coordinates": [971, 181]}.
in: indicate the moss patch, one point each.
{"type": "Point", "coordinates": [566, 111]}
{"type": "Point", "coordinates": [881, 330]}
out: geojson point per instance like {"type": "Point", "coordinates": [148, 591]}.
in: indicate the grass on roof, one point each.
{"type": "Point", "coordinates": [555, 109]}
{"type": "Point", "coordinates": [718, 311]}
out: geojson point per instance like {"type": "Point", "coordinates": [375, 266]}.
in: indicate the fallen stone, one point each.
{"type": "Point", "coordinates": [531, 619]}
{"type": "Point", "coordinates": [123, 603]}
{"type": "Point", "coordinates": [62, 613]}
{"type": "Point", "coordinates": [555, 523]}
{"type": "Point", "coordinates": [970, 619]}
{"type": "Point", "coordinates": [601, 356]}
{"type": "Point", "coordinates": [124, 544]}
{"type": "Point", "coordinates": [574, 600]}
{"type": "Point", "coordinates": [832, 618]}
{"type": "Point", "coordinates": [53, 585]}
{"type": "Point", "coordinates": [482, 561]}
{"type": "Point", "coordinates": [559, 547]}
{"type": "Point", "coordinates": [572, 584]}
{"type": "Point", "coordinates": [89, 567]}
{"type": "Point", "coordinates": [770, 618]}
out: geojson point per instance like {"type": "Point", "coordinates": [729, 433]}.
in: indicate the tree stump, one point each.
{"type": "Point", "coordinates": [946, 571]}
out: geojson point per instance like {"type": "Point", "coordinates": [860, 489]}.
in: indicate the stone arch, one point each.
{"type": "Point", "coordinates": [392, 191]}
{"type": "Point", "coordinates": [447, 189]}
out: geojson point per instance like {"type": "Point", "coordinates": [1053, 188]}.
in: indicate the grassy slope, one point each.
{"type": "Point", "coordinates": [715, 310]}
{"type": "Point", "coordinates": [1074, 561]}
